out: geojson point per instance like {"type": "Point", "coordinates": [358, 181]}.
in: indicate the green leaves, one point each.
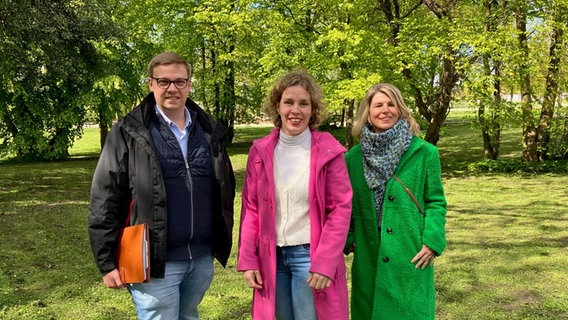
{"type": "Point", "coordinates": [48, 64]}
{"type": "Point", "coordinates": [79, 61]}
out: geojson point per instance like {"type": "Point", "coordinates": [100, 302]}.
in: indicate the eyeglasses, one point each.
{"type": "Point", "coordinates": [165, 83]}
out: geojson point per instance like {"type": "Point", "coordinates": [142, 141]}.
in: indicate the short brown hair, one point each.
{"type": "Point", "coordinates": [394, 94]}
{"type": "Point", "coordinates": [166, 58]}
{"type": "Point", "coordinates": [294, 78]}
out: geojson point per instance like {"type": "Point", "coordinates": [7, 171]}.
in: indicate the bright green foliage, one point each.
{"type": "Point", "coordinates": [331, 40]}
{"type": "Point", "coordinates": [221, 39]}
{"type": "Point", "coordinates": [48, 64]}
{"type": "Point", "coordinates": [66, 62]}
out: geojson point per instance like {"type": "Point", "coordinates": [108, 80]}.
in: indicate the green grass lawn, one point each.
{"type": "Point", "coordinates": [506, 257]}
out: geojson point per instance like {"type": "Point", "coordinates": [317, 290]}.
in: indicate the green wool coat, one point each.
{"type": "Point", "coordinates": [385, 284]}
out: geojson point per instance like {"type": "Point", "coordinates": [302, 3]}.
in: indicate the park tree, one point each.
{"type": "Point", "coordinates": [349, 61]}
{"type": "Point", "coordinates": [556, 13]}
{"type": "Point", "coordinates": [549, 20]}
{"type": "Point", "coordinates": [230, 43]}
{"type": "Point", "coordinates": [491, 104]}
{"type": "Point", "coordinates": [431, 49]}
{"type": "Point", "coordinates": [526, 89]}
{"type": "Point", "coordinates": [222, 40]}
{"type": "Point", "coordinates": [119, 86]}
{"type": "Point", "coordinates": [515, 50]}
{"type": "Point", "coordinates": [486, 71]}
{"type": "Point", "coordinates": [49, 63]}
{"type": "Point", "coordinates": [424, 45]}
{"type": "Point", "coordinates": [330, 40]}
{"type": "Point", "coordinates": [121, 80]}
{"type": "Point", "coordinates": [239, 48]}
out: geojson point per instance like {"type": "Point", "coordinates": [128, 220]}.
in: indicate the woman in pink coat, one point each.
{"type": "Point", "coordinates": [296, 209]}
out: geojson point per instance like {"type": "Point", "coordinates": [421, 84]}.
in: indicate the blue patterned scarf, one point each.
{"type": "Point", "coordinates": [381, 153]}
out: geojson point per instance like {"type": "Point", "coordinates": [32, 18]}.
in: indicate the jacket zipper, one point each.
{"type": "Point", "coordinates": [189, 182]}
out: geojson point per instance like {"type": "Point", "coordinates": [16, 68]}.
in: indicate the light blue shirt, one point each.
{"type": "Point", "coordinates": [181, 136]}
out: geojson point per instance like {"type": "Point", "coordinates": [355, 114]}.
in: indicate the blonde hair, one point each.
{"type": "Point", "coordinates": [394, 94]}
{"type": "Point", "coordinates": [296, 78]}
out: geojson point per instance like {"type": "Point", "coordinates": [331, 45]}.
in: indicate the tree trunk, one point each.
{"type": "Point", "coordinates": [565, 136]}
{"type": "Point", "coordinates": [435, 108]}
{"type": "Point", "coordinates": [216, 86]}
{"type": "Point", "coordinates": [349, 123]}
{"type": "Point", "coordinates": [442, 105]}
{"type": "Point", "coordinates": [229, 100]}
{"type": "Point", "coordinates": [204, 99]}
{"type": "Point", "coordinates": [489, 114]}
{"type": "Point", "coordinates": [529, 129]}
{"type": "Point", "coordinates": [547, 112]}
{"type": "Point", "coordinates": [103, 130]}
{"type": "Point", "coordinates": [489, 117]}
{"type": "Point", "coordinates": [104, 122]}
{"type": "Point", "coordinates": [393, 17]}
{"type": "Point", "coordinates": [350, 105]}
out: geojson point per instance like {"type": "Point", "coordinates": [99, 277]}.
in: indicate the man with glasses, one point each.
{"type": "Point", "coordinates": [165, 164]}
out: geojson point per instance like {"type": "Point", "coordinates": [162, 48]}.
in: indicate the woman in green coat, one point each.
{"type": "Point", "coordinates": [399, 212]}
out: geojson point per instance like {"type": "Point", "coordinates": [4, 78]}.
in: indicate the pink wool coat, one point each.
{"type": "Point", "coordinates": [330, 196]}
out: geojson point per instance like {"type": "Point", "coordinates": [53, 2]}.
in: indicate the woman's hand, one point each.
{"type": "Point", "coordinates": [318, 281]}
{"type": "Point", "coordinates": [424, 257]}
{"type": "Point", "coordinates": [253, 279]}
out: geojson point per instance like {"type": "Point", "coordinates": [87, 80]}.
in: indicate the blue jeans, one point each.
{"type": "Point", "coordinates": [294, 297]}
{"type": "Point", "coordinates": [178, 294]}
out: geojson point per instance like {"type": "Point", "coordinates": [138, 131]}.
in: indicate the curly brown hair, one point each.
{"type": "Point", "coordinates": [301, 78]}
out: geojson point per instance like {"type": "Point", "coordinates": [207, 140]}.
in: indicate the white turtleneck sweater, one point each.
{"type": "Point", "coordinates": [292, 176]}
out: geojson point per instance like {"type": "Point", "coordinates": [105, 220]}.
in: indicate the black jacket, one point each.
{"type": "Point", "coordinates": [128, 169]}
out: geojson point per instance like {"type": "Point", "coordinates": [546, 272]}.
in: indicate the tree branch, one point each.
{"type": "Point", "coordinates": [435, 8]}
{"type": "Point", "coordinates": [305, 26]}
{"type": "Point", "coordinates": [416, 6]}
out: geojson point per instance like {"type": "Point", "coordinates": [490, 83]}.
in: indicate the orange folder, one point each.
{"type": "Point", "coordinates": [133, 254]}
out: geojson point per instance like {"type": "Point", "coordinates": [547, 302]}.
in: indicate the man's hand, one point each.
{"type": "Point", "coordinates": [112, 280]}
